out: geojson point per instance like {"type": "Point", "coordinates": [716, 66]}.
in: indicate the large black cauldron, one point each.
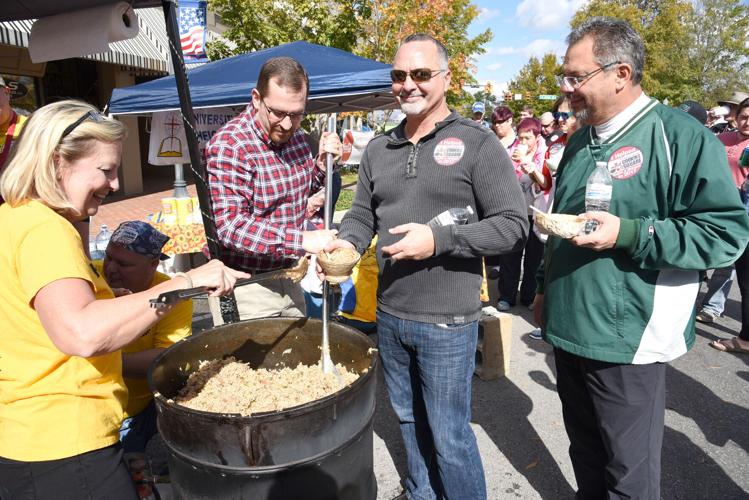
{"type": "Point", "coordinates": [317, 451]}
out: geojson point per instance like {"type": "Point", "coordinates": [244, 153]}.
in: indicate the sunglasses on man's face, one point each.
{"type": "Point", "coordinates": [419, 75]}
{"type": "Point", "coordinates": [562, 115]}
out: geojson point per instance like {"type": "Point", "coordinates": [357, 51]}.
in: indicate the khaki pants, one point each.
{"type": "Point", "coordinates": [265, 300]}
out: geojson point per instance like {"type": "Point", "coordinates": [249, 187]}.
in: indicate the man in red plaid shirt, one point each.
{"type": "Point", "coordinates": [260, 174]}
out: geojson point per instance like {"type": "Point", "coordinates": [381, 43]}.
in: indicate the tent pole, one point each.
{"type": "Point", "coordinates": [228, 304]}
{"type": "Point", "coordinates": [180, 186]}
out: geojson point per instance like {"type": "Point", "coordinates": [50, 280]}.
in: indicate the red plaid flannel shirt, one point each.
{"type": "Point", "coordinates": [259, 192]}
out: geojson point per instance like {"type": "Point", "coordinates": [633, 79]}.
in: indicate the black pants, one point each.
{"type": "Point", "coordinates": [93, 475]}
{"type": "Point", "coordinates": [614, 416]}
{"type": "Point", "coordinates": [509, 270]}
{"type": "Point", "coordinates": [742, 276]}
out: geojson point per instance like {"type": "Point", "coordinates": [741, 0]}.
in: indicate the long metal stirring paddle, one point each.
{"type": "Point", "coordinates": [327, 364]}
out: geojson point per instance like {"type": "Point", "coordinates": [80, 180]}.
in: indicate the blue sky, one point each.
{"type": "Point", "coordinates": [521, 28]}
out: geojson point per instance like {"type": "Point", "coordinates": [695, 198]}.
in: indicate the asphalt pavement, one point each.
{"type": "Point", "coordinates": [518, 422]}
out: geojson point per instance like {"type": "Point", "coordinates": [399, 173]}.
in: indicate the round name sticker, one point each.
{"type": "Point", "coordinates": [449, 151]}
{"type": "Point", "coordinates": [625, 162]}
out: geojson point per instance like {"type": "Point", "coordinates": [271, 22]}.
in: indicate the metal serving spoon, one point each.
{"type": "Point", "coordinates": [294, 273]}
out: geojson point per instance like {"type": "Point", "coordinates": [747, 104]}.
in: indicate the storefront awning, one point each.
{"type": "Point", "coordinates": [148, 51]}
{"type": "Point", "coordinates": [14, 10]}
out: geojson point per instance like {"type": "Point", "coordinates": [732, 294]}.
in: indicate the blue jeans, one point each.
{"type": "Point", "coordinates": [428, 370]}
{"type": "Point", "coordinates": [717, 290]}
{"type": "Point", "coordinates": [137, 430]}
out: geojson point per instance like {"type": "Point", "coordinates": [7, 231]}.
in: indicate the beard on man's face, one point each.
{"type": "Point", "coordinates": [412, 108]}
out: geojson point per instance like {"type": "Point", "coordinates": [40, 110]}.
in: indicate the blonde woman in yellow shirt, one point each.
{"type": "Point", "coordinates": [61, 387]}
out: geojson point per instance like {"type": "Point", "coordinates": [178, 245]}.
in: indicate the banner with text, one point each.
{"type": "Point", "coordinates": [168, 144]}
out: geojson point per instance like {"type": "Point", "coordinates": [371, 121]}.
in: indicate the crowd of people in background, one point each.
{"type": "Point", "coordinates": [728, 120]}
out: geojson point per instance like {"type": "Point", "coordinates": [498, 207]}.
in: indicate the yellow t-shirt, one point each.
{"type": "Point", "coordinates": [6, 139]}
{"type": "Point", "coordinates": [173, 327]}
{"type": "Point", "coordinates": [51, 405]}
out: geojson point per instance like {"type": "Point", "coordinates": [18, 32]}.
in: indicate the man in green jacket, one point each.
{"type": "Point", "coordinates": [618, 303]}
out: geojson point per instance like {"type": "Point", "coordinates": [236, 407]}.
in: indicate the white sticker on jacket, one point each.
{"type": "Point", "coordinates": [449, 151]}
{"type": "Point", "coordinates": [625, 162]}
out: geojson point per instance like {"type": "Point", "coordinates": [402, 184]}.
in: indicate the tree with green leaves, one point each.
{"type": "Point", "coordinates": [260, 24]}
{"type": "Point", "coordinates": [446, 20]}
{"type": "Point", "coordinates": [482, 95]}
{"type": "Point", "coordinates": [537, 77]}
{"type": "Point", "coordinates": [695, 49]}
{"type": "Point", "coordinates": [369, 28]}
{"type": "Point", "coordinates": [662, 24]}
{"type": "Point", "coordinates": [720, 54]}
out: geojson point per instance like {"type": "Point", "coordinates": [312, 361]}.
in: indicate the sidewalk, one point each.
{"type": "Point", "coordinates": [137, 208]}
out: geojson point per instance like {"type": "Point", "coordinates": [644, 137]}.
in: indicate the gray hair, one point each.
{"type": "Point", "coordinates": [613, 40]}
{"type": "Point", "coordinates": [423, 37]}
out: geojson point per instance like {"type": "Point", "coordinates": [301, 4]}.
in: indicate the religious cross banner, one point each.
{"type": "Point", "coordinates": [168, 144]}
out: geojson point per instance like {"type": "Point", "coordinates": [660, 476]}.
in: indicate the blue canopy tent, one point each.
{"type": "Point", "coordinates": [339, 81]}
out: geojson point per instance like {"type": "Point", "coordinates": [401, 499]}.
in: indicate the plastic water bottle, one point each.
{"type": "Point", "coordinates": [598, 193]}
{"type": "Point", "coordinates": [102, 240]}
{"type": "Point", "coordinates": [457, 216]}
{"type": "Point", "coordinates": [92, 247]}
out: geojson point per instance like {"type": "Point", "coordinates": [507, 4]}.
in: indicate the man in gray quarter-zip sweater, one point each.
{"type": "Point", "coordinates": [430, 274]}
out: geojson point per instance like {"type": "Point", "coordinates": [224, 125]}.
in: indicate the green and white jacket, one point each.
{"type": "Point", "coordinates": [680, 213]}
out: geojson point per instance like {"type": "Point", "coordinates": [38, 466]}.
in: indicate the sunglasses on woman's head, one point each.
{"type": "Point", "coordinates": [562, 115]}
{"type": "Point", "coordinates": [93, 115]}
{"type": "Point", "coordinates": [419, 75]}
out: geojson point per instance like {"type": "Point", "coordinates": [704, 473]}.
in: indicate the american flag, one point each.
{"type": "Point", "coordinates": [192, 30]}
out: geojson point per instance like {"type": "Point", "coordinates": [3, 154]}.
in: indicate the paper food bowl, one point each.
{"type": "Point", "coordinates": [563, 225]}
{"type": "Point", "coordinates": [338, 264]}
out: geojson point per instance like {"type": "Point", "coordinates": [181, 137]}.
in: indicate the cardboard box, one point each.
{"type": "Point", "coordinates": [494, 344]}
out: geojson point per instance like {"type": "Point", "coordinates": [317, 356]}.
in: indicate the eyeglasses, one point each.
{"type": "Point", "coordinates": [562, 115]}
{"type": "Point", "coordinates": [279, 116]}
{"type": "Point", "coordinates": [95, 117]}
{"type": "Point", "coordinates": [574, 82]}
{"type": "Point", "coordinates": [500, 122]}
{"type": "Point", "coordinates": [419, 75]}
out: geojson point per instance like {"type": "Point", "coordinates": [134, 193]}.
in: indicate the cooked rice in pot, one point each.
{"type": "Point", "coordinates": [230, 386]}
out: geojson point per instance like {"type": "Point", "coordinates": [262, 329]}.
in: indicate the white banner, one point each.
{"type": "Point", "coordinates": [168, 144]}
{"type": "Point", "coordinates": [354, 144]}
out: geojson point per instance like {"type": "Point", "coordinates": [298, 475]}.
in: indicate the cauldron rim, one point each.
{"type": "Point", "coordinates": [266, 415]}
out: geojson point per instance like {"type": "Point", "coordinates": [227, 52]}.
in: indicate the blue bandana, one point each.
{"type": "Point", "coordinates": [141, 238]}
